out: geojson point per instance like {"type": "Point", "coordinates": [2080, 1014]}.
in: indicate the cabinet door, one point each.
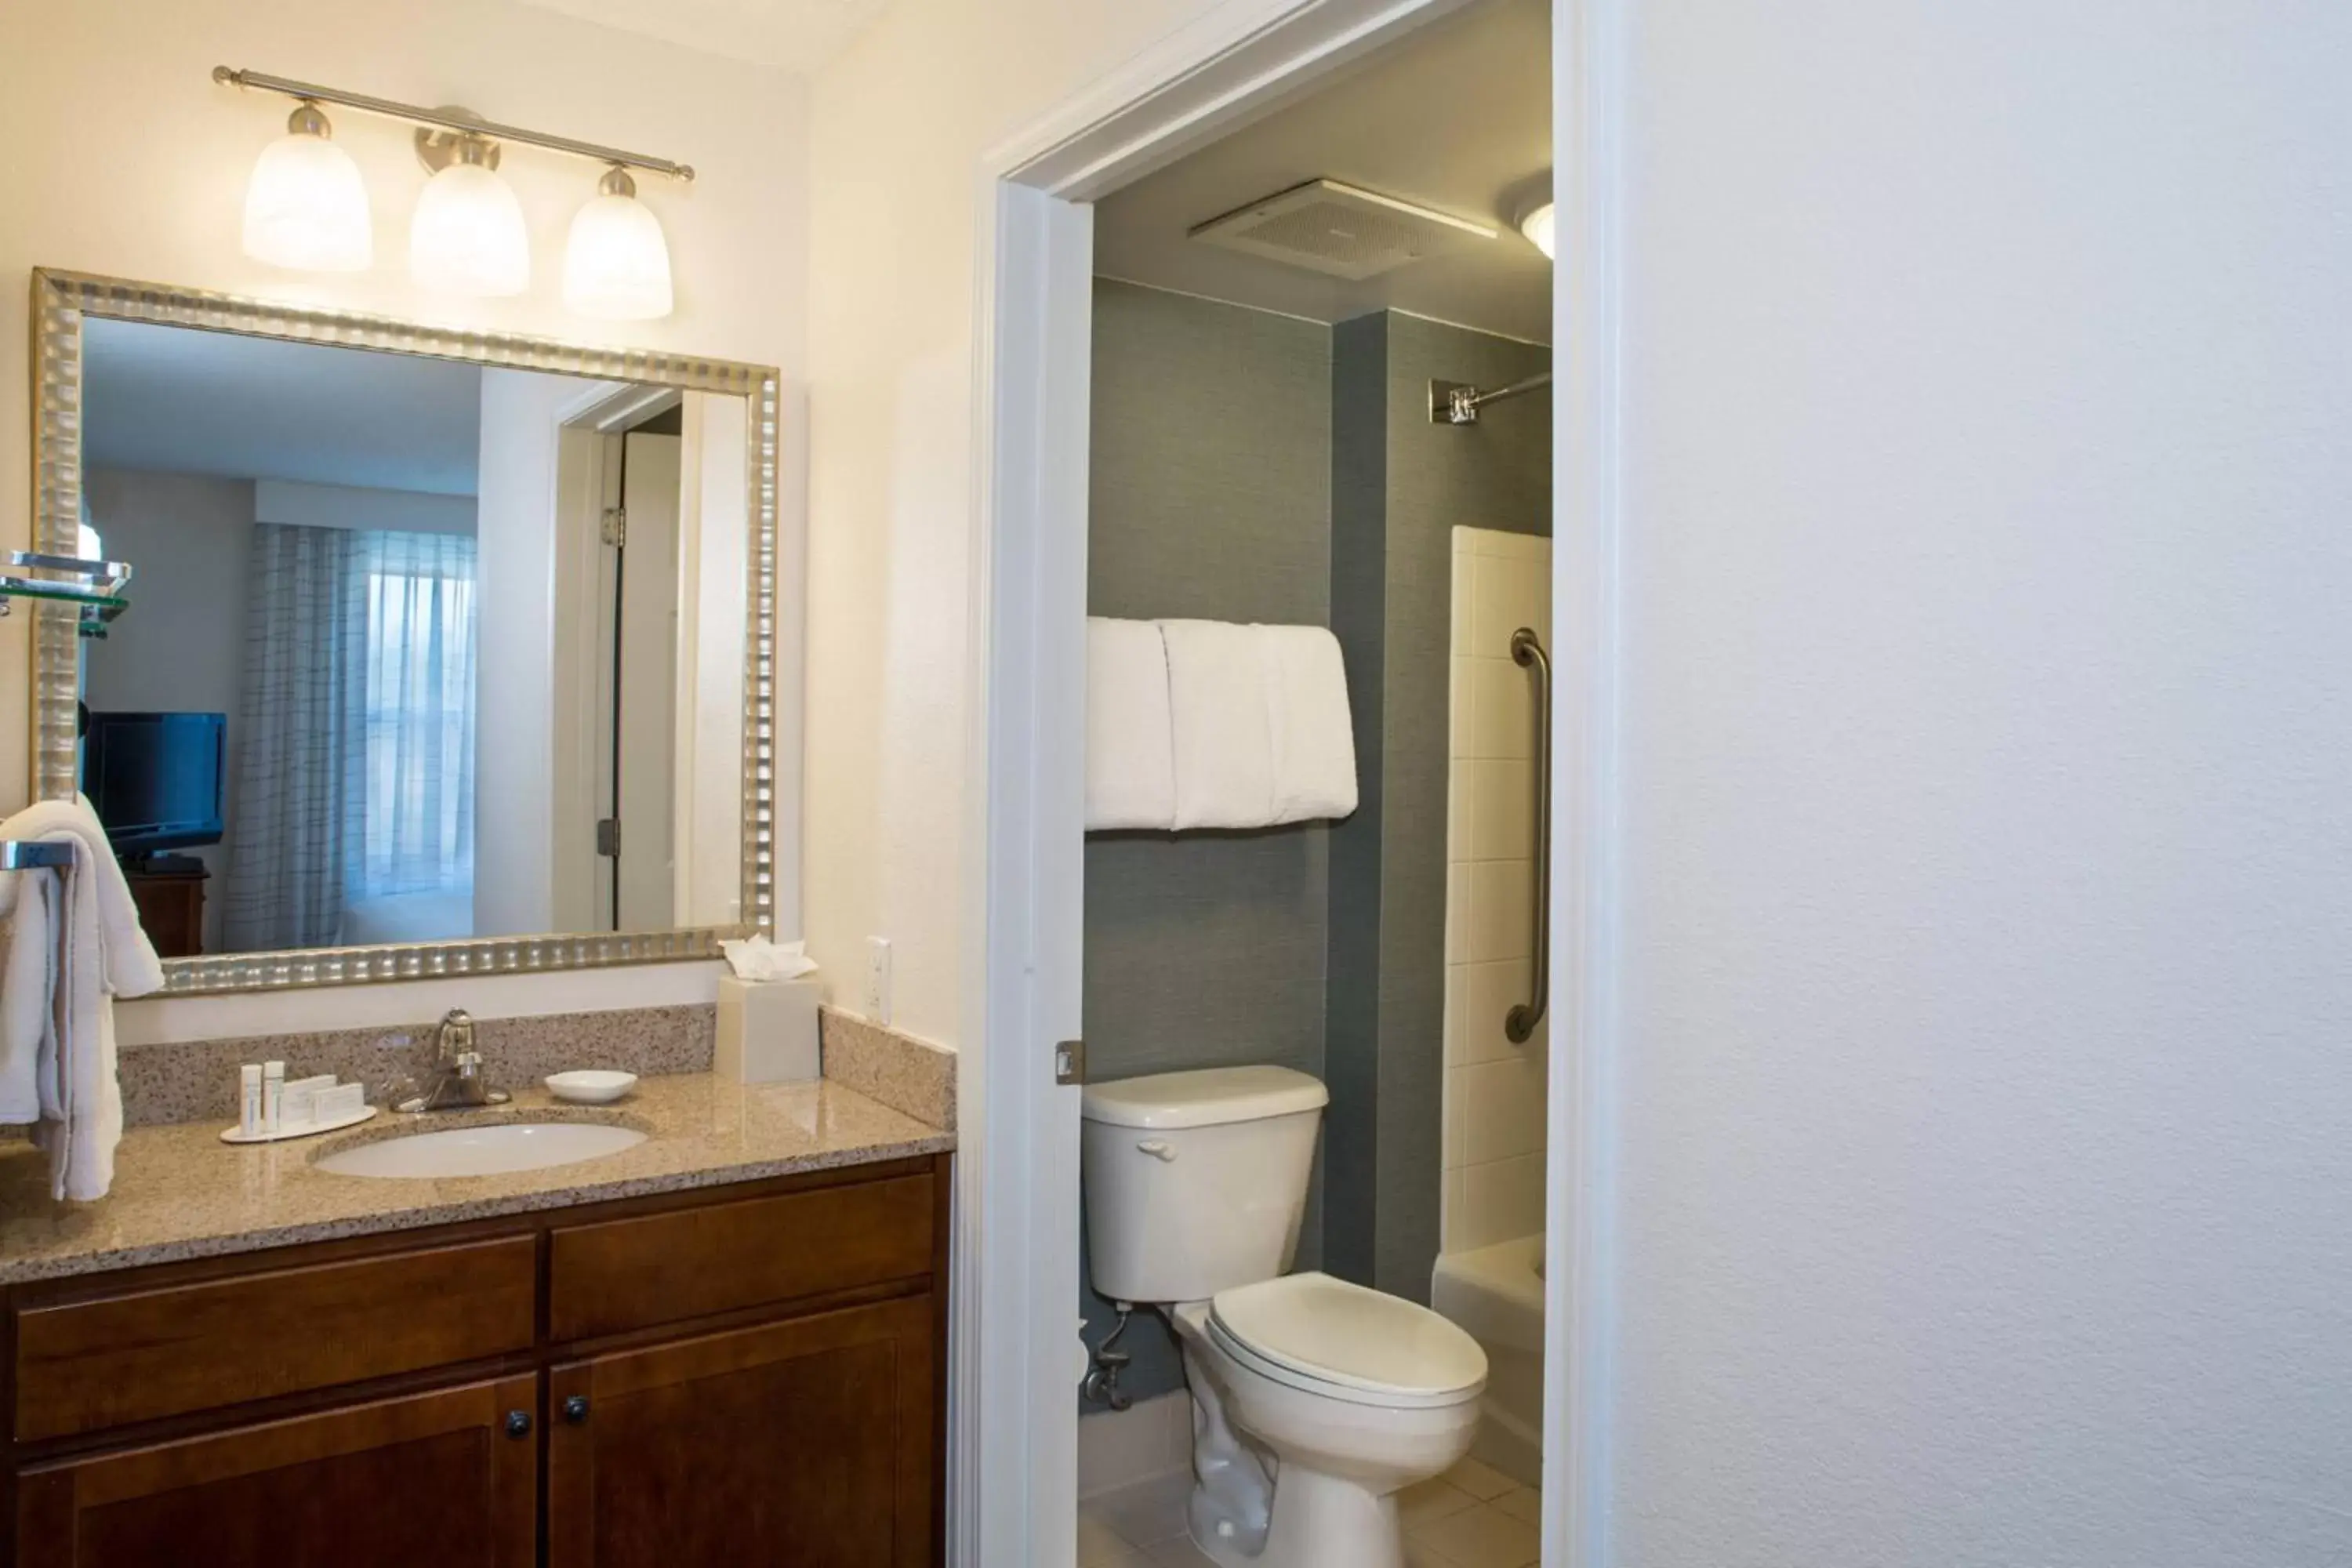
{"type": "Point", "coordinates": [436, 1478]}
{"type": "Point", "coordinates": [806, 1444]}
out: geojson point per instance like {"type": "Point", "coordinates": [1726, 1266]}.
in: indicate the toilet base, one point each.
{"type": "Point", "coordinates": [1289, 1478]}
{"type": "Point", "coordinates": [1319, 1521]}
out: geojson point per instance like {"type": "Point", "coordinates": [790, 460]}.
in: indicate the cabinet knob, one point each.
{"type": "Point", "coordinates": [575, 1409]}
{"type": "Point", "coordinates": [518, 1423]}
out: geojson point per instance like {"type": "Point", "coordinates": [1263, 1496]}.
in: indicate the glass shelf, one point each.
{"type": "Point", "coordinates": [95, 586]}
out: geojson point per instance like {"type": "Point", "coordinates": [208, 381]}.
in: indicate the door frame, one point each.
{"type": "Point", "coordinates": [1014, 1438]}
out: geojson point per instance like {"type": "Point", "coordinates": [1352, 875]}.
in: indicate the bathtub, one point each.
{"type": "Point", "coordinates": [1496, 1294]}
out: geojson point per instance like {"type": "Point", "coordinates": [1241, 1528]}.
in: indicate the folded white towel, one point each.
{"type": "Point", "coordinates": [79, 930]}
{"type": "Point", "coordinates": [1219, 707]}
{"type": "Point", "coordinates": [1130, 777]}
{"type": "Point", "coordinates": [1313, 737]}
{"type": "Point", "coordinates": [28, 968]}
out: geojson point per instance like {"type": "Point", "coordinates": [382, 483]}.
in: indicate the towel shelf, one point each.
{"type": "Point", "coordinates": [95, 586]}
{"type": "Point", "coordinates": [34, 855]}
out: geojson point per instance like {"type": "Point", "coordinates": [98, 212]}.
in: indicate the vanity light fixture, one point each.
{"type": "Point", "coordinates": [1536, 222]}
{"type": "Point", "coordinates": [616, 263]}
{"type": "Point", "coordinates": [469, 235]}
{"type": "Point", "coordinates": [307, 207]}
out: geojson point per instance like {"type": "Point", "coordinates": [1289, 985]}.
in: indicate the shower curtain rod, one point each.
{"type": "Point", "coordinates": [1458, 402]}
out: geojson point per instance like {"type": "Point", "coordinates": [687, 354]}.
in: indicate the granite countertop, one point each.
{"type": "Point", "coordinates": [181, 1193]}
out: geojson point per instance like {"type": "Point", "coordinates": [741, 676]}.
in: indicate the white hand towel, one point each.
{"type": "Point", "coordinates": [1314, 739]}
{"type": "Point", "coordinates": [1130, 777]}
{"type": "Point", "coordinates": [1218, 706]}
{"type": "Point", "coordinates": [89, 927]}
{"type": "Point", "coordinates": [29, 967]}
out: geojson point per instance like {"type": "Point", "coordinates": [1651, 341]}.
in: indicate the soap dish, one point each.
{"type": "Point", "coordinates": [590, 1088]}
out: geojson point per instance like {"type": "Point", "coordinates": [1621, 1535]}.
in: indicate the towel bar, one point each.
{"type": "Point", "coordinates": [34, 854]}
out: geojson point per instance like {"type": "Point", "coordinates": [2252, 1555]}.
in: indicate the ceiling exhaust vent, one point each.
{"type": "Point", "coordinates": [1340, 231]}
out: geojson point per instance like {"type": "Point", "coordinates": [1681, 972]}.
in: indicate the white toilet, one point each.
{"type": "Point", "coordinates": [1314, 1401]}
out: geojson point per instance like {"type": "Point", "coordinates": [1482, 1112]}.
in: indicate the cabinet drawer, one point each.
{"type": "Point", "coordinates": [666, 1267]}
{"type": "Point", "coordinates": [85, 1365]}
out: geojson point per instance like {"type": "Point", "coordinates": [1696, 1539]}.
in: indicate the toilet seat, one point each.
{"type": "Point", "coordinates": [1340, 1340]}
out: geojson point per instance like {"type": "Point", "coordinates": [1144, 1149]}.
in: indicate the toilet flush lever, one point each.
{"type": "Point", "coordinates": [1157, 1148]}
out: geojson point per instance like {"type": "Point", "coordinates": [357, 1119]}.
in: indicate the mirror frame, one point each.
{"type": "Point", "coordinates": [62, 301]}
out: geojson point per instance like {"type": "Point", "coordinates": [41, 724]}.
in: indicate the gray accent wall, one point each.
{"type": "Point", "coordinates": [1209, 493]}
{"type": "Point", "coordinates": [1399, 486]}
{"type": "Point", "coordinates": [1250, 467]}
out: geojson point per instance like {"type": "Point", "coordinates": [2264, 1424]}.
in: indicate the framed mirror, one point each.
{"type": "Point", "coordinates": [446, 652]}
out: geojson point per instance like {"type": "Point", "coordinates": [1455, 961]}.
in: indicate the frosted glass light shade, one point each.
{"type": "Point", "coordinates": [307, 208]}
{"type": "Point", "coordinates": [616, 263]}
{"type": "Point", "coordinates": [468, 237]}
{"type": "Point", "coordinates": [1537, 226]}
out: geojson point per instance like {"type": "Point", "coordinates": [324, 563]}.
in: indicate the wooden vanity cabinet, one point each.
{"type": "Point", "coordinates": [753, 1374]}
{"type": "Point", "coordinates": [806, 1442]}
{"type": "Point", "coordinates": [441, 1479]}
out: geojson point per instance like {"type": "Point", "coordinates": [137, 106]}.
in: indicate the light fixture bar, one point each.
{"type": "Point", "coordinates": [312, 92]}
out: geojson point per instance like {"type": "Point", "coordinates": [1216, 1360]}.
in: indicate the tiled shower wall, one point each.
{"type": "Point", "coordinates": [1494, 1139]}
{"type": "Point", "coordinates": [1399, 486]}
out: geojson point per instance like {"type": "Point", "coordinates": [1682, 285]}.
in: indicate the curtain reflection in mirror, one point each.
{"type": "Point", "coordinates": [355, 809]}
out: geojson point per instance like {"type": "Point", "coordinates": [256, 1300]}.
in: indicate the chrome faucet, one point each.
{"type": "Point", "coordinates": [457, 1080]}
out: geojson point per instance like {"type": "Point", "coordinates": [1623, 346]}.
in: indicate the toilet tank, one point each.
{"type": "Point", "coordinates": [1196, 1181]}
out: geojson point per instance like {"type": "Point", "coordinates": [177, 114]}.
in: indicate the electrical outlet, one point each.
{"type": "Point", "coordinates": [877, 979]}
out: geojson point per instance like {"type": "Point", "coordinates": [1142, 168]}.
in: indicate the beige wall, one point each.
{"type": "Point", "coordinates": [857, 198]}
{"type": "Point", "coordinates": [898, 129]}
{"type": "Point", "coordinates": [125, 158]}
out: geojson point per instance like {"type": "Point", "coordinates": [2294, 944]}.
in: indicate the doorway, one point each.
{"type": "Point", "coordinates": [1016, 1442]}
{"type": "Point", "coordinates": [647, 574]}
{"type": "Point", "coordinates": [636, 673]}
{"type": "Point", "coordinates": [1276, 451]}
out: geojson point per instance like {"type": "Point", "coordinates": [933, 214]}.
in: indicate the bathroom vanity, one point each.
{"type": "Point", "coordinates": [715, 1335]}
{"type": "Point", "coordinates": [745, 1371]}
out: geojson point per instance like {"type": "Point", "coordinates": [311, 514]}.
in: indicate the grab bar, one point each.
{"type": "Point", "coordinates": [1528, 650]}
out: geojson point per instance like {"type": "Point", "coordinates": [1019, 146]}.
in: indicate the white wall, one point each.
{"type": "Point", "coordinates": [1984, 1086]}
{"type": "Point", "coordinates": [714, 537]}
{"type": "Point", "coordinates": [514, 718]}
{"type": "Point", "coordinates": [191, 539]}
{"type": "Point", "coordinates": [153, 186]}
{"type": "Point", "coordinates": [898, 128]}
{"type": "Point", "coordinates": [300, 505]}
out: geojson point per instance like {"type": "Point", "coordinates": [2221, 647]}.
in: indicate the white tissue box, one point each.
{"type": "Point", "coordinates": [767, 1030]}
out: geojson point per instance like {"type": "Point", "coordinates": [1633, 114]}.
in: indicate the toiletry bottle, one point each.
{"type": "Point", "coordinates": [248, 1099]}
{"type": "Point", "coordinates": [273, 1094]}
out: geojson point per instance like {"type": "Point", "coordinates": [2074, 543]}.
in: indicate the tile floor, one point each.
{"type": "Point", "coordinates": [1471, 1517]}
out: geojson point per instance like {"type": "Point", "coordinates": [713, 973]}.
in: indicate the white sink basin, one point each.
{"type": "Point", "coordinates": [483, 1151]}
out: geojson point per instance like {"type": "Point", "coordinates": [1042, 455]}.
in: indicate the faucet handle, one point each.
{"type": "Point", "coordinates": [457, 1034]}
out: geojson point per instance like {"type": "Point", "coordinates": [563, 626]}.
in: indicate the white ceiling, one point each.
{"type": "Point", "coordinates": [793, 34]}
{"type": "Point", "coordinates": [1455, 116]}
{"type": "Point", "coordinates": [175, 400]}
